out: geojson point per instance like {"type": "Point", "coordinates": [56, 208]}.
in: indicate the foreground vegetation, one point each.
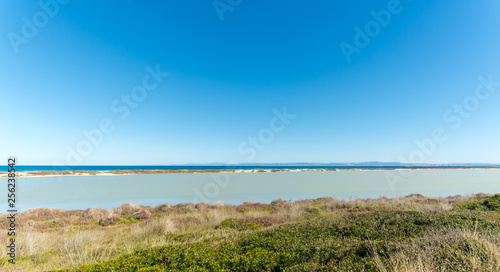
{"type": "Point", "coordinates": [412, 233]}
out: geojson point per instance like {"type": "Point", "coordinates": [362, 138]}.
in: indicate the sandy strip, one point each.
{"type": "Point", "coordinates": [24, 174]}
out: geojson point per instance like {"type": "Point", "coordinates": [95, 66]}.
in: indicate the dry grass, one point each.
{"type": "Point", "coordinates": [50, 239]}
{"type": "Point", "coordinates": [436, 250]}
{"type": "Point", "coordinates": [151, 229]}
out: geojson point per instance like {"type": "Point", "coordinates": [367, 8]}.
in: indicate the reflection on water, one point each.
{"type": "Point", "coordinates": [81, 192]}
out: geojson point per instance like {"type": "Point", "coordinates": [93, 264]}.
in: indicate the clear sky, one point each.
{"type": "Point", "coordinates": [360, 86]}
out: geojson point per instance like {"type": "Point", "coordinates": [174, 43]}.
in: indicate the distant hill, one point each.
{"type": "Point", "coordinates": [354, 164]}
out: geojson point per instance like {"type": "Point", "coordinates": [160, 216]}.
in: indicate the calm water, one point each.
{"type": "Point", "coordinates": [81, 192]}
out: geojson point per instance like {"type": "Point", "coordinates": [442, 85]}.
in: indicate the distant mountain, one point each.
{"type": "Point", "coordinates": [353, 164]}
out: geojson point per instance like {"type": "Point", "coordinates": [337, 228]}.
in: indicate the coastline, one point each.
{"type": "Point", "coordinates": [56, 173]}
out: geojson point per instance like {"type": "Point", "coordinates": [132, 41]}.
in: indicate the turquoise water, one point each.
{"type": "Point", "coordinates": [81, 192]}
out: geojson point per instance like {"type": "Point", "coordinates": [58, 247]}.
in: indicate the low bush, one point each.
{"type": "Point", "coordinates": [490, 203]}
{"type": "Point", "coordinates": [237, 224]}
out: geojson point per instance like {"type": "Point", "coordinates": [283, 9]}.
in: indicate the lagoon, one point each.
{"type": "Point", "coordinates": [82, 192]}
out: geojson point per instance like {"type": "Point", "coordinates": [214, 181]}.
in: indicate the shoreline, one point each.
{"type": "Point", "coordinates": [57, 173]}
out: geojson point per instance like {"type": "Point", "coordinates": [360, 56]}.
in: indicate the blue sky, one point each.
{"type": "Point", "coordinates": [226, 78]}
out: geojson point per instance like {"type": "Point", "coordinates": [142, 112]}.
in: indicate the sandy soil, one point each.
{"type": "Point", "coordinates": [188, 171]}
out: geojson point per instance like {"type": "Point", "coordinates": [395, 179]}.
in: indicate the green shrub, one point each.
{"type": "Point", "coordinates": [490, 203]}
{"type": "Point", "coordinates": [236, 224]}
{"type": "Point", "coordinates": [473, 205]}
{"type": "Point", "coordinates": [312, 211]}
